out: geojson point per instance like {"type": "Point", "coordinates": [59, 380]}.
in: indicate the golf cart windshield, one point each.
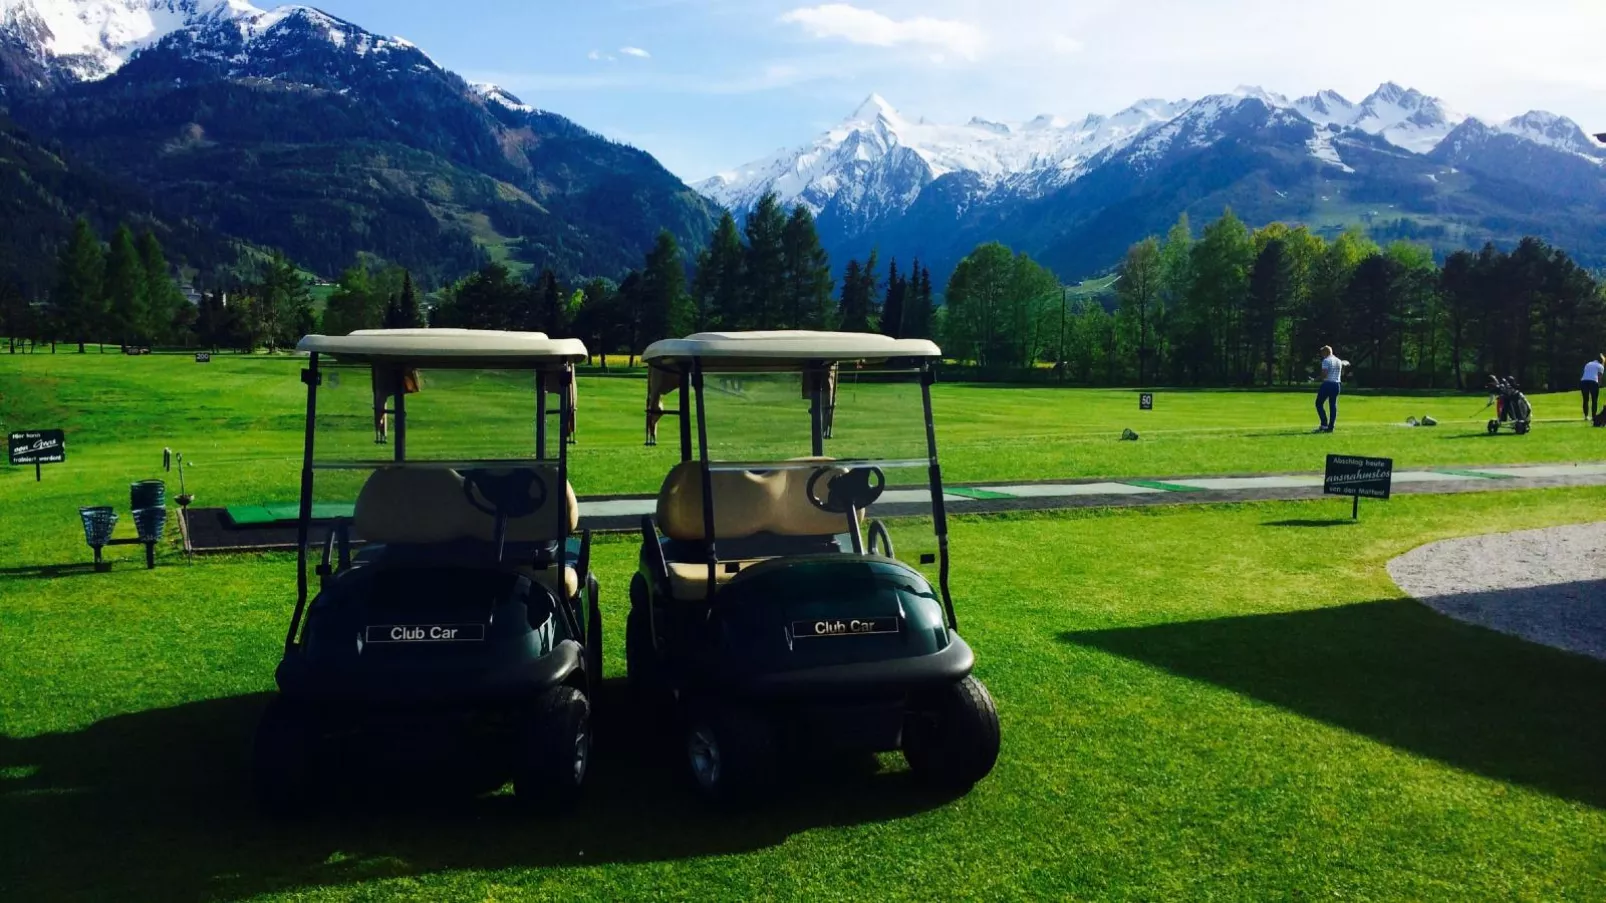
{"type": "Point", "coordinates": [447, 443]}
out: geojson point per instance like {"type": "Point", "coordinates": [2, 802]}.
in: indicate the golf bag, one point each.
{"type": "Point", "coordinates": [1511, 406]}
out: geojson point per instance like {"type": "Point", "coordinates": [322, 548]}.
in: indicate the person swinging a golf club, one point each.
{"type": "Point", "coordinates": [1332, 381]}
{"type": "Point", "coordinates": [1589, 386]}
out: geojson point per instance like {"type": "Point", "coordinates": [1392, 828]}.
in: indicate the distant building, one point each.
{"type": "Point", "coordinates": [190, 294]}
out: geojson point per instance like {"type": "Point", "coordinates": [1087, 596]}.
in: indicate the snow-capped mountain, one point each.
{"type": "Point", "coordinates": [298, 130]}
{"type": "Point", "coordinates": [1075, 190]}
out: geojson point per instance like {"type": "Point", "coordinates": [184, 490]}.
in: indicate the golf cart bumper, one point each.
{"type": "Point", "coordinates": [856, 680]}
{"type": "Point", "coordinates": [479, 687]}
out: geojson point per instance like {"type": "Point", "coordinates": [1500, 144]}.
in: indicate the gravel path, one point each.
{"type": "Point", "coordinates": [1546, 586]}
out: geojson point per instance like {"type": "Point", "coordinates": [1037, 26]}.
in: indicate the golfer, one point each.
{"type": "Point", "coordinates": [1589, 386]}
{"type": "Point", "coordinates": [1332, 380]}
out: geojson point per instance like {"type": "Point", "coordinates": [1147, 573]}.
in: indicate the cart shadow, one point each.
{"type": "Point", "coordinates": [161, 800]}
{"type": "Point", "coordinates": [1314, 524]}
{"type": "Point", "coordinates": [1406, 676]}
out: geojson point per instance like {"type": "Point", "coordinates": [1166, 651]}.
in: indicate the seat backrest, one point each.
{"type": "Point", "coordinates": [421, 506]}
{"type": "Point", "coordinates": [746, 503]}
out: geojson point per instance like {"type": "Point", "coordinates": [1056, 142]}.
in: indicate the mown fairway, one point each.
{"type": "Point", "coordinates": [1224, 702]}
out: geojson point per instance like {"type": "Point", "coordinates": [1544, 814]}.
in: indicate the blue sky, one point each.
{"type": "Point", "coordinates": [706, 85]}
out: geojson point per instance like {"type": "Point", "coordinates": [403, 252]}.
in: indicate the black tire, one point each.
{"type": "Point", "coordinates": [1522, 427]}
{"type": "Point", "coordinates": [951, 737]}
{"type": "Point", "coordinates": [554, 751]}
{"type": "Point", "coordinates": [730, 754]}
{"type": "Point", "coordinates": [282, 760]}
{"type": "Point", "coordinates": [1494, 427]}
{"type": "Point", "coordinates": [593, 635]}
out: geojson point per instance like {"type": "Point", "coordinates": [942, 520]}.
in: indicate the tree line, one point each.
{"type": "Point", "coordinates": [1235, 306]}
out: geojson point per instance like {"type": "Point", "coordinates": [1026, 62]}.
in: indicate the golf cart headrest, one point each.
{"type": "Point", "coordinates": [746, 503]}
{"type": "Point", "coordinates": [404, 505]}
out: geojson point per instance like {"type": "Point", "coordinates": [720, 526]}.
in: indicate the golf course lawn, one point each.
{"type": "Point", "coordinates": [240, 420]}
{"type": "Point", "coordinates": [1222, 701]}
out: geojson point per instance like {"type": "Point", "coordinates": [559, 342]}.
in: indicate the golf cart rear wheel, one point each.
{"type": "Point", "coordinates": [1521, 427]}
{"type": "Point", "coordinates": [554, 751]}
{"type": "Point", "coordinates": [730, 754]}
{"type": "Point", "coordinates": [282, 760]}
{"type": "Point", "coordinates": [951, 737]}
{"type": "Point", "coordinates": [1494, 427]}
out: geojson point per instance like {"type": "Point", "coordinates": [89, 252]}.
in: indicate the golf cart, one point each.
{"type": "Point", "coordinates": [466, 629]}
{"type": "Point", "coordinates": [769, 617]}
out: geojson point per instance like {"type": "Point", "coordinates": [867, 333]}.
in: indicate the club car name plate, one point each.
{"type": "Point", "coordinates": [1367, 478]}
{"type": "Point", "coordinates": [805, 630]}
{"type": "Point", "coordinates": [426, 633]}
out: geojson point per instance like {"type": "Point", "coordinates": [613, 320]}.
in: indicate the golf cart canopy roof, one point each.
{"type": "Point", "coordinates": [467, 349]}
{"type": "Point", "coordinates": [784, 350]}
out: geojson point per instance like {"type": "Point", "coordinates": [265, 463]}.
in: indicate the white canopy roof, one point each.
{"type": "Point", "coordinates": [785, 350]}
{"type": "Point", "coordinates": [442, 348]}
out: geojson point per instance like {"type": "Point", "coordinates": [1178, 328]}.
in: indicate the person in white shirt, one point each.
{"type": "Point", "coordinates": [1332, 382]}
{"type": "Point", "coordinates": [1590, 386]}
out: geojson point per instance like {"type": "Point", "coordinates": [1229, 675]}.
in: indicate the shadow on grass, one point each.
{"type": "Point", "coordinates": [1313, 524]}
{"type": "Point", "coordinates": [52, 571]}
{"type": "Point", "coordinates": [156, 805]}
{"type": "Point", "coordinates": [1406, 676]}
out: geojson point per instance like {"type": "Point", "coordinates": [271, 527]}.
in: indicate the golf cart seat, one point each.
{"type": "Point", "coordinates": [404, 506]}
{"type": "Point", "coordinates": [758, 515]}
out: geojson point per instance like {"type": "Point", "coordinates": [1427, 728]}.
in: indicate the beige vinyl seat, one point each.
{"type": "Point", "coordinates": [746, 504]}
{"type": "Point", "coordinates": [417, 506]}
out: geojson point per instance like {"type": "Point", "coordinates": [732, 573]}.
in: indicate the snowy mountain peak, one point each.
{"type": "Point", "coordinates": [501, 97]}
{"type": "Point", "coordinates": [87, 40]}
{"type": "Point", "coordinates": [1550, 130]}
{"type": "Point", "coordinates": [874, 107]}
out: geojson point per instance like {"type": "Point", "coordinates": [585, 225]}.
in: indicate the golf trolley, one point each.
{"type": "Point", "coordinates": [466, 630]}
{"type": "Point", "coordinates": [1511, 406]}
{"type": "Point", "coordinates": [768, 618]}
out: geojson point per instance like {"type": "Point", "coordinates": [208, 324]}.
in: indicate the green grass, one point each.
{"type": "Point", "coordinates": [1226, 702]}
{"type": "Point", "coordinates": [240, 419]}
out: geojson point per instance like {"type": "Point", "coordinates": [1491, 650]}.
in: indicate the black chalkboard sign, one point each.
{"type": "Point", "coordinates": [1366, 478]}
{"type": "Point", "coordinates": [203, 358]}
{"type": "Point", "coordinates": [1146, 401]}
{"type": "Point", "coordinates": [38, 447]}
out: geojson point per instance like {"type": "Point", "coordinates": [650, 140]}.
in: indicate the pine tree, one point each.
{"type": "Point", "coordinates": [281, 310]}
{"type": "Point", "coordinates": [1139, 290]}
{"type": "Point", "coordinates": [166, 306]}
{"type": "Point", "coordinates": [79, 295]}
{"type": "Point", "coordinates": [892, 309]}
{"type": "Point", "coordinates": [412, 310]}
{"type": "Point", "coordinates": [551, 316]}
{"type": "Point", "coordinates": [917, 313]}
{"type": "Point", "coordinates": [1271, 289]}
{"type": "Point", "coordinates": [129, 312]}
{"type": "Point", "coordinates": [807, 273]}
{"type": "Point", "coordinates": [720, 288]}
{"type": "Point", "coordinates": [854, 309]}
{"type": "Point", "coordinates": [665, 310]}
{"type": "Point", "coordinates": [765, 266]}
{"type": "Point", "coordinates": [354, 304]}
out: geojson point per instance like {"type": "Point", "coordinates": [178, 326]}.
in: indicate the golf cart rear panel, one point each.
{"type": "Point", "coordinates": [444, 635]}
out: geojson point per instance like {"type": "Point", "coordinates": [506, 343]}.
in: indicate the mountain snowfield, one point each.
{"type": "Point", "coordinates": [844, 168]}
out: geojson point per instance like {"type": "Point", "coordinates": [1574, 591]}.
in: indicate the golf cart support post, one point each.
{"type": "Point", "coordinates": [783, 352]}
{"type": "Point", "coordinates": [552, 361]}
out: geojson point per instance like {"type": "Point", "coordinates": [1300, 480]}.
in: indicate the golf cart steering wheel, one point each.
{"type": "Point", "coordinates": [517, 493]}
{"type": "Point", "coordinates": [851, 488]}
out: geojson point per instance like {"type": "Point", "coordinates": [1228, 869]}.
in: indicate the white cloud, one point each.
{"type": "Point", "coordinates": [636, 52]}
{"type": "Point", "coordinates": [597, 56]}
{"type": "Point", "coordinates": [841, 21]}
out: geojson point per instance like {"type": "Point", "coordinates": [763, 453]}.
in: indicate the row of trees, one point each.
{"type": "Point", "coordinates": [772, 273]}
{"type": "Point", "coordinates": [1237, 306]}
{"type": "Point", "coordinates": [121, 291]}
